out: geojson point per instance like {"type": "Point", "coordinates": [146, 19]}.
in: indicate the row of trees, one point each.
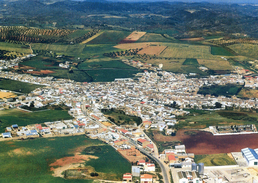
{"type": "Point", "coordinates": [85, 36]}
{"type": "Point", "coordinates": [123, 53]}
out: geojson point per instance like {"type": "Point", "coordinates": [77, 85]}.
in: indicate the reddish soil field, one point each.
{"type": "Point", "coordinates": [206, 143]}
{"type": "Point", "coordinates": [46, 71]}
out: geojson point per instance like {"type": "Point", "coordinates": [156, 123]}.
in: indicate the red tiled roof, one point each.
{"type": "Point", "coordinates": [123, 131]}
{"type": "Point", "coordinates": [150, 146]}
{"type": "Point", "coordinates": [171, 157]}
{"type": "Point", "coordinates": [146, 176]}
{"type": "Point", "coordinates": [141, 140]}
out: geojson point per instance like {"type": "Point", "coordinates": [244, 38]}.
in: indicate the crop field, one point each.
{"type": "Point", "coordinates": [191, 61]}
{"type": "Point", "coordinates": [110, 37]}
{"type": "Point", "coordinates": [7, 95]}
{"type": "Point", "coordinates": [248, 50]}
{"type": "Point", "coordinates": [152, 50]}
{"type": "Point", "coordinates": [152, 37]}
{"type": "Point", "coordinates": [42, 63]}
{"type": "Point", "coordinates": [134, 36]}
{"type": "Point", "coordinates": [216, 90]}
{"type": "Point", "coordinates": [215, 64]}
{"type": "Point", "coordinates": [220, 51]}
{"type": "Point", "coordinates": [105, 75]}
{"type": "Point", "coordinates": [31, 160]}
{"type": "Point", "coordinates": [78, 33]}
{"type": "Point", "coordinates": [173, 65]}
{"type": "Point", "coordinates": [104, 64]}
{"type": "Point", "coordinates": [15, 48]}
{"type": "Point", "coordinates": [248, 93]}
{"type": "Point", "coordinates": [214, 159]}
{"type": "Point", "coordinates": [177, 50]}
{"type": "Point", "coordinates": [17, 86]}
{"type": "Point", "coordinates": [204, 119]}
{"type": "Point", "coordinates": [128, 46]}
{"type": "Point", "coordinates": [22, 118]}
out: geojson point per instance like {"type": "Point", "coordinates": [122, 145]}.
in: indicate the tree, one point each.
{"type": "Point", "coordinates": [218, 105]}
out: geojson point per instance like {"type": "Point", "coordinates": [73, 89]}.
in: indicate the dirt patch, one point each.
{"type": "Point", "coordinates": [47, 71]}
{"type": "Point", "coordinates": [107, 124]}
{"type": "Point", "coordinates": [7, 95]}
{"type": "Point", "coordinates": [134, 36]}
{"type": "Point", "coordinates": [69, 162]}
{"type": "Point", "coordinates": [132, 155]}
{"type": "Point", "coordinates": [19, 151]}
{"type": "Point", "coordinates": [152, 50]}
{"type": "Point", "coordinates": [230, 155]}
{"type": "Point", "coordinates": [10, 142]}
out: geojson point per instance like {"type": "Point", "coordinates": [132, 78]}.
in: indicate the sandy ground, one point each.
{"type": "Point", "coordinates": [152, 50]}
{"type": "Point", "coordinates": [131, 158]}
{"type": "Point", "coordinates": [135, 35]}
{"type": "Point", "coordinates": [7, 95]}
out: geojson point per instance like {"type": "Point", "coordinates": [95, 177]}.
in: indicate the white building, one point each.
{"type": "Point", "coordinates": [251, 156]}
{"type": "Point", "coordinates": [189, 177]}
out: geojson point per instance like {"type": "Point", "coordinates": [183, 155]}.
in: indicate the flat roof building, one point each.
{"type": "Point", "coordinates": [251, 156]}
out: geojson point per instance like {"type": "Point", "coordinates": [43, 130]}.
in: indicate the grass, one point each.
{"type": "Point", "coordinates": [104, 64]}
{"type": "Point", "coordinates": [217, 90]}
{"type": "Point", "coordinates": [14, 47]}
{"type": "Point", "coordinates": [215, 64]}
{"type": "Point", "coordinates": [17, 86]}
{"type": "Point", "coordinates": [78, 33]}
{"type": "Point", "coordinates": [220, 51]}
{"type": "Point", "coordinates": [248, 50]}
{"type": "Point", "coordinates": [191, 61]}
{"type": "Point", "coordinates": [120, 118]}
{"type": "Point", "coordinates": [16, 116]}
{"type": "Point", "coordinates": [204, 119]}
{"type": "Point", "coordinates": [152, 37]}
{"type": "Point", "coordinates": [34, 167]}
{"type": "Point", "coordinates": [214, 160]}
{"type": "Point", "coordinates": [110, 37]}
{"type": "Point", "coordinates": [115, 165]}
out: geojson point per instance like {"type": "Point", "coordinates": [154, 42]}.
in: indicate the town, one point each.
{"type": "Point", "coordinates": [149, 96]}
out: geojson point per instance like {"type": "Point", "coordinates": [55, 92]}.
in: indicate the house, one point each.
{"type": "Point", "coordinates": [146, 178]}
{"type": "Point", "coordinates": [149, 167]}
{"type": "Point", "coordinates": [171, 159]}
{"type": "Point", "coordinates": [136, 170]}
{"type": "Point", "coordinates": [141, 162]}
{"type": "Point", "coordinates": [6, 135]}
{"type": "Point", "coordinates": [150, 147]}
{"type": "Point", "coordinates": [127, 177]}
{"type": "Point", "coordinates": [143, 142]}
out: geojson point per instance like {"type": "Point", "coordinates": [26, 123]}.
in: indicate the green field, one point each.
{"type": "Point", "coordinates": [78, 33]}
{"type": "Point", "coordinates": [204, 119]}
{"type": "Point", "coordinates": [31, 162]}
{"type": "Point", "coordinates": [191, 61]}
{"type": "Point", "coordinates": [152, 37]}
{"type": "Point", "coordinates": [16, 116]}
{"type": "Point", "coordinates": [120, 118]}
{"type": "Point", "coordinates": [217, 90]}
{"type": "Point", "coordinates": [76, 75]}
{"type": "Point", "coordinates": [220, 51]}
{"type": "Point", "coordinates": [214, 160]}
{"type": "Point", "coordinates": [248, 50]}
{"type": "Point", "coordinates": [17, 86]}
{"type": "Point", "coordinates": [110, 37]}
{"type": "Point", "coordinates": [104, 64]}
{"type": "Point", "coordinates": [15, 47]}
{"type": "Point", "coordinates": [115, 165]}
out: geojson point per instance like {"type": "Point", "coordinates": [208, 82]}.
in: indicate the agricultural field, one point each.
{"type": "Point", "coordinates": [7, 95]}
{"type": "Point", "coordinates": [152, 50]}
{"type": "Point", "coordinates": [110, 37]}
{"type": "Point", "coordinates": [220, 51]}
{"type": "Point", "coordinates": [191, 61]}
{"type": "Point", "coordinates": [31, 160]}
{"type": "Point", "coordinates": [177, 50]}
{"type": "Point", "coordinates": [215, 64]}
{"type": "Point", "coordinates": [128, 46]}
{"type": "Point", "coordinates": [78, 33]}
{"type": "Point", "coordinates": [152, 37]}
{"type": "Point", "coordinates": [199, 119]}
{"type": "Point", "coordinates": [22, 118]}
{"type": "Point", "coordinates": [17, 86]}
{"type": "Point", "coordinates": [23, 49]}
{"type": "Point", "coordinates": [101, 65]}
{"type": "Point", "coordinates": [248, 50]}
{"type": "Point", "coordinates": [134, 36]}
{"type": "Point", "coordinates": [215, 159]}
{"type": "Point", "coordinates": [248, 93]}
{"type": "Point", "coordinates": [120, 118]}
{"type": "Point", "coordinates": [217, 90]}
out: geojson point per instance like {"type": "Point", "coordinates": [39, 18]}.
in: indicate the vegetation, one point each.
{"type": "Point", "coordinates": [203, 119]}
{"type": "Point", "coordinates": [17, 86]}
{"type": "Point", "coordinates": [216, 90]}
{"type": "Point", "coordinates": [122, 53]}
{"type": "Point", "coordinates": [16, 116]}
{"type": "Point", "coordinates": [220, 51]}
{"type": "Point", "coordinates": [248, 50]}
{"type": "Point", "coordinates": [120, 118]}
{"type": "Point", "coordinates": [191, 61]}
{"type": "Point", "coordinates": [214, 160]}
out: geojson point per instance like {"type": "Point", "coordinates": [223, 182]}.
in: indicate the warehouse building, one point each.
{"type": "Point", "coordinates": [251, 156]}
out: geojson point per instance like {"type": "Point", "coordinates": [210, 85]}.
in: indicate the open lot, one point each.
{"type": "Point", "coordinates": [22, 118]}
{"type": "Point", "coordinates": [17, 86]}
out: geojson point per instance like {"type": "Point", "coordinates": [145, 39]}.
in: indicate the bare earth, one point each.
{"type": "Point", "coordinates": [7, 95]}
{"type": "Point", "coordinates": [152, 50]}
{"type": "Point", "coordinates": [134, 36]}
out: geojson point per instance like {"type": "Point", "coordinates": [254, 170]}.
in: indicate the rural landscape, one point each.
{"type": "Point", "coordinates": [145, 92]}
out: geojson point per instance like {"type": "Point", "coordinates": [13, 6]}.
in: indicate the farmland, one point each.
{"type": "Point", "coordinates": [220, 51]}
{"type": "Point", "coordinates": [249, 50]}
{"type": "Point", "coordinates": [152, 37]}
{"type": "Point", "coordinates": [110, 37]}
{"type": "Point", "coordinates": [16, 116]}
{"type": "Point", "coordinates": [31, 159]}
{"type": "Point", "coordinates": [134, 36]}
{"type": "Point", "coordinates": [248, 93]}
{"type": "Point", "coordinates": [216, 90]}
{"type": "Point", "coordinates": [17, 86]}
{"type": "Point", "coordinates": [215, 64]}
{"type": "Point", "coordinates": [152, 50]}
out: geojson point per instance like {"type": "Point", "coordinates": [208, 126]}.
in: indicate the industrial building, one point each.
{"type": "Point", "coordinates": [251, 156]}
